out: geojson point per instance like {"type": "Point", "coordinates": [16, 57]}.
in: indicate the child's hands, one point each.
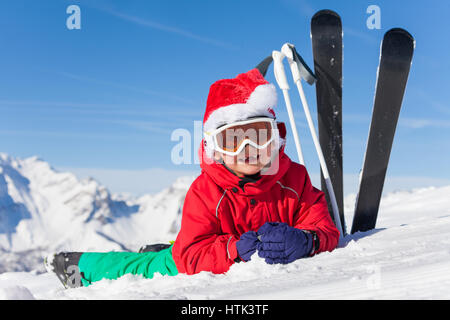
{"type": "Point", "coordinates": [246, 246]}
{"type": "Point", "coordinates": [281, 243]}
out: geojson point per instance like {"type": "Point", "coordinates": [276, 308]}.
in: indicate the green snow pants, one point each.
{"type": "Point", "coordinates": [95, 266]}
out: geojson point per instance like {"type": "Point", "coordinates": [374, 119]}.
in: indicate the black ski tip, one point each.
{"type": "Point", "coordinates": [324, 19]}
{"type": "Point", "coordinates": [326, 12]}
{"type": "Point", "coordinates": [264, 65]}
{"type": "Point", "coordinates": [398, 42]}
{"type": "Point", "coordinates": [400, 32]}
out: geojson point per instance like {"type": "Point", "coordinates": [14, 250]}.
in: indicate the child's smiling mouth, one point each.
{"type": "Point", "coordinates": [249, 160]}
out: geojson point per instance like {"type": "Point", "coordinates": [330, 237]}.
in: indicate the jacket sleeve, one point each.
{"type": "Point", "coordinates": [200, 245]}
{"type": "Point", "coordinates": [313, 215]}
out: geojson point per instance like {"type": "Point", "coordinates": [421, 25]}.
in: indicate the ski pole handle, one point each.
{"type": "Point", "coordinates": [281, 79]}
{"type": "Point", "coordinates": [288, 52]}
{"type": "Point", "coordinates": [299, 68]}
{"type": "Point", "coordinates": [278, 69]}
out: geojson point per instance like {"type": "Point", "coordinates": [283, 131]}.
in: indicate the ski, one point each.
{"type": "Point", "coordinates": [395, 60]}
{"type": "Point", "coordinates": [326, 37]}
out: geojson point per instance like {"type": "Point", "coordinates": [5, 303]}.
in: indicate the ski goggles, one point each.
{"type": "Point", "coordinates": [232, 138]}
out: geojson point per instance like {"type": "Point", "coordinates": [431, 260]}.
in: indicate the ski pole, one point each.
{"type": "Point", "coordinates": [280, 77]}
{"type": "Point", "coordinates": [298, 68]}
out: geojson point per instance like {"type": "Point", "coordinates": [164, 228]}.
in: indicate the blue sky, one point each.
{"type": "Point", "coordinates": [104, 100]}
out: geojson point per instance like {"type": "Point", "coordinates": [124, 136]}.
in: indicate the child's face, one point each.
{"type": "Point", "coordinates": [254, 141]}
{"type": "Point", "coordinates": [250, 161]}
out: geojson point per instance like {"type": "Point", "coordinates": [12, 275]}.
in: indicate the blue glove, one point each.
{"type": "Point", "coordinates": [281, 243]}
{"type": "Point", "coordinates": [246, 246]}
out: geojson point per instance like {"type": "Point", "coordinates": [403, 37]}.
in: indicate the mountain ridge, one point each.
{"type": "Point", "coordinates": [42, 209]}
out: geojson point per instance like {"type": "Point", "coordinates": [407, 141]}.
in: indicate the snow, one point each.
{"type": "Point", "coordinates": [15, 293]}
{"type": "Point", "coordinates": [406, 257]}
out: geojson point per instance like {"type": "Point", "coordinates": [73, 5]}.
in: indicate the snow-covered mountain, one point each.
{"type": "Point", "coordinates": [44, 210]}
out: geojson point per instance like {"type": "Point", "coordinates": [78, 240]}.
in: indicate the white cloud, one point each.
{"type": "Point", "coordinates": [365, 35]}
{"type": "Point", "coordinates": [418, 123]}
{"type": "Point", "coordinates": [124, 86]}
{"type": "Point", "coordinates": [166, 28]}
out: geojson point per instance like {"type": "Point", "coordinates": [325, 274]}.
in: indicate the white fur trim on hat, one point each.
{"type": "Point", "coordinates": [261, 100]}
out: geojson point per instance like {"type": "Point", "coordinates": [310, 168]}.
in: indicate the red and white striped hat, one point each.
{"type": "Point", "coordinates": [230, 100]}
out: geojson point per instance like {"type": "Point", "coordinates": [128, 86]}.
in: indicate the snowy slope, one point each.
{"type": "Point", "coordinates": [42, 210]}
{"type": "Point", "coordinates": [406, 257]}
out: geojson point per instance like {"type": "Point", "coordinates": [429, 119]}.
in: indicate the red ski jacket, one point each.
{"type": "Point", "coordinates": [217, 211]}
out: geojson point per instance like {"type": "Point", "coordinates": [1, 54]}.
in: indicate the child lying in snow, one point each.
{"type": "Point", "coordinates": [250, 197]}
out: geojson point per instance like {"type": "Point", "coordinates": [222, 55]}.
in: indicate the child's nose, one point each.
{"type": "Point", "coordinates": [250, 151]}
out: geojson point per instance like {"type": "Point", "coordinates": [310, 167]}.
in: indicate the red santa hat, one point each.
{"type": "Point", "coordinates": [230, 100]}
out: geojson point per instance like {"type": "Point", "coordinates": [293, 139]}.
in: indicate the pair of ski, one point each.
{"type": "Point", "coordinates": [395, 61]}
